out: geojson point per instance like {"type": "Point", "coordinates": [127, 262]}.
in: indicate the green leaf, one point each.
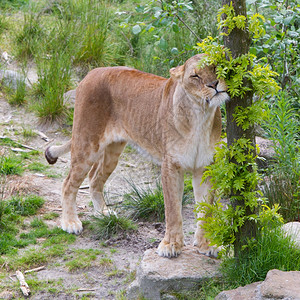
{"type": "Point", "coordinates": [136, 29]}
{"type": "Point", "coordinates": [163, 44]}
{"type": "Point", "coordinates": [287, 20]}
{"type": "Point", "coordinates": [175, 27]}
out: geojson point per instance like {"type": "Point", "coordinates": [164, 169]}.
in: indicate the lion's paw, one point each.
{"type": "Point", "coordinates": [71, 225]}
{"type": "Point", "coordinates": [172, 249]}
{"type": "Point", "coordinates": [207, 250]}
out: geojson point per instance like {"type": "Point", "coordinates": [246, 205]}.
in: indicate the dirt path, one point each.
{"type": "Point", "coordinates": [117, 259]}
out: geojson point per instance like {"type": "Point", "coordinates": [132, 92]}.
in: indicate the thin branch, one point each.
{"type": "Point", "coordinates": [129, 43]}
{"type": "Point", "coordinates": [189, 28]}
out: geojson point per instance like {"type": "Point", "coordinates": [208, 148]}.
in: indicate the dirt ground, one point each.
{"type": "Point", "coordinates": [99, 281]}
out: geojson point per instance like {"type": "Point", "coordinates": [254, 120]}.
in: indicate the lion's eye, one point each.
{"type": "Point", "coordinates": [195, 76]}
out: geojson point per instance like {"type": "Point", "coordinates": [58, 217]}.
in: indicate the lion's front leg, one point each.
{"type": "Point", "coordinates": [201, 193]}
{"type": "Point", "coordinates": [172, 182]}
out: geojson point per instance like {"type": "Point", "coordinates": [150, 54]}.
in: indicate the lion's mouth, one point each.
{"type": "Point", "coordinates": [216, 94]}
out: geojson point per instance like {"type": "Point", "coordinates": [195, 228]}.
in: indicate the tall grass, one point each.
{"type": "Point", "coordinates": [95, 44]}
{"type": "Point", "coordinates": [29, 36]}
{"type": "Point", "coordinates": [54, 73]}
{"type": "Point", "coordinates": [283, 185]}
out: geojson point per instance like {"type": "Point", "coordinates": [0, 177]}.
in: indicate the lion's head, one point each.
{"type": "Point", "coordinates": [200, 84]}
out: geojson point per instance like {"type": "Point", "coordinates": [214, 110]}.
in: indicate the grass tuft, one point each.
{"type": "Point", "coordinates": [147, 203]}
{"type": "Point", "coordinates": [26, 206]}
{"type": "Point", "coordinates": [11, 165]}
{"type": "Point", "coordinates": [16, 96]}
{"type": "Point", "coordinates": [107, 226]}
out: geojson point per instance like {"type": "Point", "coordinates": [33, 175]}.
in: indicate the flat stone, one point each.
{"type": "Point", "coordinates": [157, 275]}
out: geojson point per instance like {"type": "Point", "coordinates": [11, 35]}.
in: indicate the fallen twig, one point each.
{"type": "Point", "coordinates": [43, 136]}
{"type": "Point", "coordinates": [23, 284]}
{"type": "Point", "coordinates": [35, 269]}
{"type": "Point", "coordinates": [86, 290]}
{"type": "Point", "coordinates": [22, 145]}
{"type": "Point", "coordinates": [32, 270]}
{"type": "Point", "coordinates": [20, 150]}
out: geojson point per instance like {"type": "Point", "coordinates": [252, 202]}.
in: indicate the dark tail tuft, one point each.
{"type": "Point", "coordinates": [51, 160]}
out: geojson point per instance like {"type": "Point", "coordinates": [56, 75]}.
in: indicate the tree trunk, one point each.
{"type": "Point", "coordinates": [238, 41]}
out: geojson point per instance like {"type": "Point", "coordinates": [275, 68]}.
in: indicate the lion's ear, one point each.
{"type": "Point", "coordinates": [177, 72]}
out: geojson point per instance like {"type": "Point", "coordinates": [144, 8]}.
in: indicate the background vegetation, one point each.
{"type": "Point", "coordinates": [63, 40]}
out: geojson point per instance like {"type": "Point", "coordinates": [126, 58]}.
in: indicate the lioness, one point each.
{"type": "Point", "coordinates": [176, 120]}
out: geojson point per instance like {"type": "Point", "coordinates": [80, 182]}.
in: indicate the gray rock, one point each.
{"type": "Point", "coordinates": [157, 275]}
{"type": "Point", "coordinates": [293, 229]}
{"type": "Point", "coordinates": [266, 148]}
{"type": "Point", "coordinates": [12, 78]}
{"type": "Point", "coordinates": [69, 98]}
{"type": "Point", "coordinates": [6, 295]}
{"type": "Point", "coordinates": [277, 285]}
{"type": "Point", "coordinates": [281, 285]}
{"type": "Point", "coordinates": [247, 292]}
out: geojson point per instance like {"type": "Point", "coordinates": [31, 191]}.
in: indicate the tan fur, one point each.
{"type": "Point", "coordinates": [176, 120]}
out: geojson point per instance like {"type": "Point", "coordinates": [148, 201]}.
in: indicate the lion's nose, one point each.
{"type": "Point", "coordinates": [213, 84]}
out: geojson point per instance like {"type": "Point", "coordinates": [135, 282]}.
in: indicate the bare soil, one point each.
{"type": "Point", "coordinates": [101, 281]}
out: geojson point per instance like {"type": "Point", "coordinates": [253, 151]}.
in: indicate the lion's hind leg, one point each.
{"type": "Point", "coordinates": [100, 172]}
{"type": "Point", "coordinates": [82, 160]}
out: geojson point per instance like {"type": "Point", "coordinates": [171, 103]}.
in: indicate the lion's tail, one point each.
{"type": "Point", "coordinates": [53, 152]}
